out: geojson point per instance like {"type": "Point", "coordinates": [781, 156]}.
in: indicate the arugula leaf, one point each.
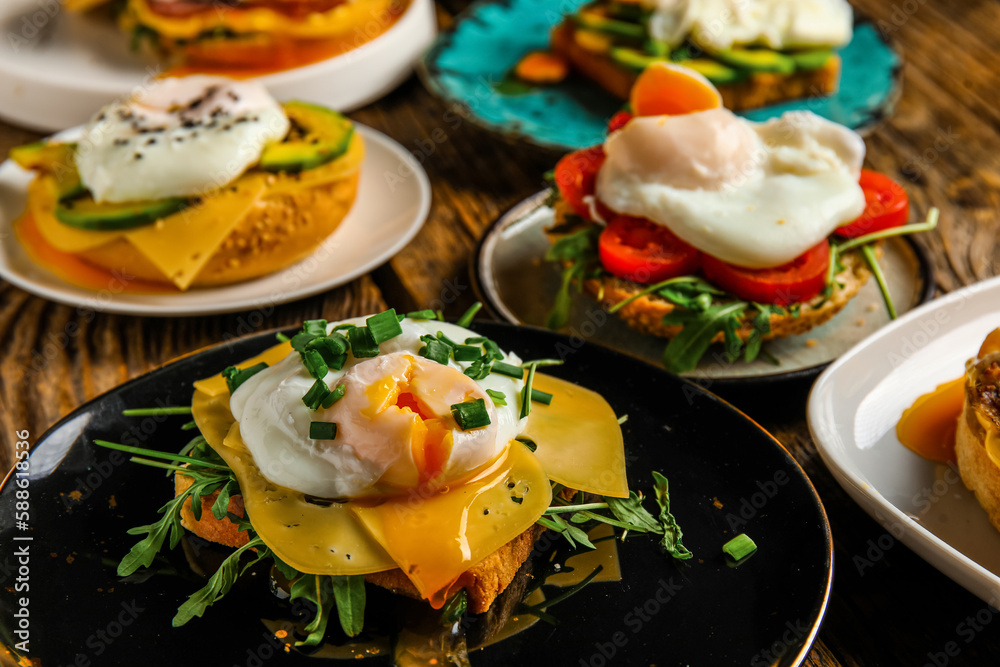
{"type": "Point", "coordinates": [316, 589]}
{"type": "Point", "coordinates": [349, 591]}
{"type": "Point", "coordinates": [221, 505]}
{"type": "Point", "coordinates": [631, 511]}
{"type": "Point", "coordinates": [218, 585]}
{"type": "Point", "coordinates": [761, 327]}
{"type": "Point", "coordinates": [686, 348]}
{"type": "Point", "coordinates": [454, 608]}
{"type": "Point", "coordinates": [579, 250]}
{"type": "Point", "coordinates": [671, 540]}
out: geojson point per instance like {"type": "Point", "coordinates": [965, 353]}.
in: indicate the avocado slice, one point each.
{"type": "Point", "coordinates": [55, 159]}
{"type": "Point", "coordinates": [712, 70]}
{"type": "Point", "coordinates": [601, 23]}
{"type": "Point", "coordinates": [85, 213]}
{"type": "Point", "coordinates": [756, 60]}
{"type": "Point", "coordinates": [810, 60]}
{"type": "Point", "coordinates": [318, 136]}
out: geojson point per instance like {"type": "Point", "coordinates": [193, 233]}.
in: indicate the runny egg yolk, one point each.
{"type": "Point", "coordinates": [396, 411]}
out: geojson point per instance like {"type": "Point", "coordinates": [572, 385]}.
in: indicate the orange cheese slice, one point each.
{"type": "Point", "coordinates": [216, 385]}
{"type": "Point", "coordinates": [579, 439]}
{"type": "Point", "coordinates": [435, 539]}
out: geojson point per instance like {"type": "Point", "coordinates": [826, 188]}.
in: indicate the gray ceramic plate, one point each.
{"type": "Point", "coordinates": [513, 279]}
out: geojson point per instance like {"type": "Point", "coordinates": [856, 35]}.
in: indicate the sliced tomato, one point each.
{"type": "Point", "coordinates": [644, 252]}
{"type": "Point", "coordinates": [886, 205]}
{"type": "Point", "coordinates": [576, 177]}
{"type": "Point", "coordinates": [799, 280]}
{"type": "Point", "coordinates": [619, 120]}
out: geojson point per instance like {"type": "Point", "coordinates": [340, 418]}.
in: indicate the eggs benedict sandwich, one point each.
{"type": "Point", "coordinates": [249, 37]}
{"type": "Point", "coordinates": [756, 52]}
{"type": "Point", "coordinates": [401, 451]}
{"type": "Point", "coordinates": [696, 225]}
{"type": "Point", "coordinates": [190, 182]}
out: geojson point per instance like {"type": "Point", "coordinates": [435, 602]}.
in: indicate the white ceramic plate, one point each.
{"type": "Point", "coordinates": [383, 219]}
{"type": "Point", "coordinates": [853, 410]}
{"type": "Point", "coordinates": [56, 68]}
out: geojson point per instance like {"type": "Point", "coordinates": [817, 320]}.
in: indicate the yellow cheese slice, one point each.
{"type": "Point", "coordinates": [435, 539]}
{"type": "Point", "coordinates": [216, 385]}
{"type": "Point", "coordinates": [42, 198]}
{"type": "Point", "coordinates": [181, 244]}
{"type": "Point", "coordinates": [310, 537]}
{"type": "Point", "coordinates": [579, 439]}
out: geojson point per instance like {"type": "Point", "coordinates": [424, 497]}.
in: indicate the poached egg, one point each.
{"type": "Point", "coordinates": [178, 137]}
{"type": "Point", "coordinates": [776, 24]}
{"type": "Point", "coordinates": [395, 430]}
{"type": "Point", "coordinates": [757, 195]}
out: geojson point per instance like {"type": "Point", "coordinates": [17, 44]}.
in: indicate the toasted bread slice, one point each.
{"type": "Point", "coordinates": [646, 313]}
{"type": "Point", "coordinates": [483, 582]}
{"type": "Point", "coordinates": [758, 90]}
{"type": "Point", "coordinates": [980, 416]}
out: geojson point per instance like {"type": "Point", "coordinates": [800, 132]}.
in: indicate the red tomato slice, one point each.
{"type": "Point", "coordinates": [799, 280]}
{"type": "Point", "coordinates": [619, 120]}
{"type": "Point", "coordinates": [644, 252]}
{"type": "Point", "coordinates": [886, 205]}
{"type": "Point", "coordinates": [576, 177]}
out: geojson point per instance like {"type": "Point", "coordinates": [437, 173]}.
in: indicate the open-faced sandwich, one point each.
{"type": "Point", "coordinates": [959, 423]}
{"type": "Point", "coordinates": [249, 36]}
{"type": "Point", "coordinates": [696, 225]}
{"type": "Point", "coordinates": [405, 452]}
{"type": "Point", "coordinates": [190, 182]}
{"type": "Point", "coordinates": [757, 52]}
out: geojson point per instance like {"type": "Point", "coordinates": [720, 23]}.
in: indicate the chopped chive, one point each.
{"type": "Point", "coordinates": [314, 327]}
{"type": "Point", "coordinates": [384, 326]}
{"type": "Point", "coordinates": [470, 415]}
{"type": "Point", "coordinates": [739, 547]}
{"type": "Point", "coordinates": [466, 319]}
{"type": "Point", "coordinates": [337, 363]}
{"type": "Point", "coordinates": [876, 270]}
{"type": "Point", "coordinates": [467, 353]}
{"type": "Point", "coordinates": [301, 339]}
{"type": "Point", "coordinates": [508, 369]}
{"type": "Point", "coordinates": [427, 314]}
{"type": "Point", "coordinates": [400, 317]}
{"type": "Point", "coordinates": [435, 350]}
{"type": "Point", "coordinates": [282, 338]}
{"type": "Point", "coordinates": [622, 419]}
{"type": "Point", "coordinates": [539, 396]}
{"type": "Point", "coordinates": [452, 611]}
{"type": "Point", "coordinates": [235, 376]}
{"type": "Point", "coordinates": [493, 350]}
{"type": "Point", "coordinates": [322, 430]}
{"type": "Point", "coordinates": [526, 392]}
{"type": "Point", "coordinates": [499, 398]}
{"type": "Point", "coordinates": [330, 347]}
{"type": "Point", "coordinates": [479, 369]}
{"type": "Point", "coordinates": [926, 226]}
{"type": "Point", "coordinates": [317, 393]}
{"type": "Point", "coordinates": [363, 345]}
{"type": "Point", "coordinates": [334, 396]}
{"type": "Point", "coordinates": [544, 362]}
{"type": "Point", "coordinates": [444, 339]}
{"type": "Point", "coordinates": [315, 364]}
{"type": "Point", "coordinates": [440, 315]}
{"type": "Point", "coordinates": [190, 425]}
{"type": "Point", "coordinates": [476, 340]}
{"type": "Point", "coordinates": [154, 412]}
{"type": "Point", "coordinates": [344, 327]}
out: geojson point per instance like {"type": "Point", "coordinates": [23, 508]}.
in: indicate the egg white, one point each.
{"type": "Point", "coordinates": [178, 137]}
{"type": "Point", "coordinates": [756, 195]}
{"type": "Point", "coordinates": [274, 422]}
{"type": "Point", "coordinates": [777, 24]}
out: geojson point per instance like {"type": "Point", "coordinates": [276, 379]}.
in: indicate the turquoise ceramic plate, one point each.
{"type": "Point", "coordinates": [467, 63]}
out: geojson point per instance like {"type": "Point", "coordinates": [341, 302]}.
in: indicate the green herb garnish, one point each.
{"type": "Point", "coordinates": [739, 547]}
{"type": "Point", "coordinates": [509, 370]}
{"type": "Point", "coordinates": [435, 350]}
{"type": "Point", "coordinates": [334, 396]}
{"type": "Point", "coordinates": [363, 344]}
{"type": "Point", "coordinates": [322, 430]}
{"type": "Point", "coordinates": [499, 398]}
{"type": "Point", "coordinates": [155, 412]}
{"type": "Point", "coordinates": [471, 414]}
{"type": "Point", "coordinates": [384, 326]}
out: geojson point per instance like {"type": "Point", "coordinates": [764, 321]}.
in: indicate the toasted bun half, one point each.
{"type": "Point", "coordinates": [979, 418]}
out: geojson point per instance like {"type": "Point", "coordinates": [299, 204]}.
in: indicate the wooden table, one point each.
{"type": "Point", "coordinates": [888, 606]}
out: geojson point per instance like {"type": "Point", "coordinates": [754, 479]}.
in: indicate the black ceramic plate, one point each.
{"type": "Point", "coordinates": [511, 277]}
{"type": "Point", "coordinates": [724, 472]}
